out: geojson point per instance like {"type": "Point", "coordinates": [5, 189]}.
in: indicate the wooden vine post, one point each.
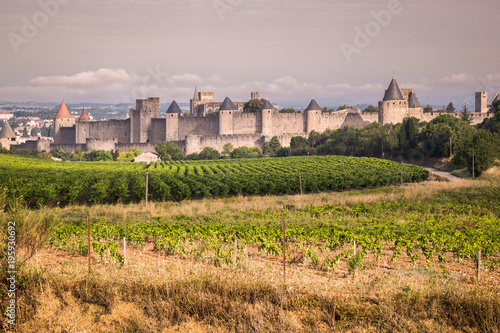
{"type": "Point", "coordinates": [147, 185]}
{"type": "Point", "coordinates": [300, 182]}
{"type": "Point", "coordinates": [124, 250]}
{"type": "Point", "coordinates": [478, 265]}
{"type": "Point", "coordinates": [472, 162]}
{"type": "Point", "coordinates": [88, 241]}
{"type": "Point", "coordinates": [284, 256]}
{"type": "Point", "coordinates": [401, 173]}
{"type": "Point", "coordinates": [235, 252]}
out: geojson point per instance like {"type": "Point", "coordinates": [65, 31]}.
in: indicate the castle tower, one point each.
{"type": "Point", "coordinates": [254, 95]}
{"type": "Point", "coordinates": [267, 118]}
{"type": "Point", "coordinates": [140, 119]}
{"type": "Point", "coordinates": [393, 108]}
{"type": "Point", "coordinates": [84, 116]}
{"type": "Point", "coordinates": [82, 132]}
{"type": "Point", "coordinates": [7, 136]}
{"type": "Point", "coordinates": [193, 103]}
{"type": "Point", "coordinates": [413, 101]}
{"type": "Point", "coordinates": [481, 101]}
{"type": "Point", "coordinates": [226, 113]}
{"type": "Point", "coordinates": [313, 113]}
{"type": "Point", "coordinates": [62, 119]}
{"type": "Point", "coordinates": [172, 122]}
{"type": "Point", "coordinates": [414, 108]}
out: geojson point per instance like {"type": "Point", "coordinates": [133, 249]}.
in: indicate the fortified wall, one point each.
{"type": "Point", "coordinates": [144, 128]}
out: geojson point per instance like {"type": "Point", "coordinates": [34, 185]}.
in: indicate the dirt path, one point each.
{"type": "Point", "coordinates": [444, 174]}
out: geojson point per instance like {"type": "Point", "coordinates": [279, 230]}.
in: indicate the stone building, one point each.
{"type": "Point", "coordinates": [7, 136]}
{"type": "Point", "coordinates": [203, 103]}
{"type": "Point", "coordinates": [398, 104]}
{"type": "Point", "coordinates": [205, 127]}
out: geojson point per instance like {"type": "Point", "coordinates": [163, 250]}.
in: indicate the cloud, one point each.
{"type": "Point", "coordinates": [89, 79]}
{"type": "Point", "coordinates": [458, 79]}
{"type": "Point", "coordinates": [120, 86]}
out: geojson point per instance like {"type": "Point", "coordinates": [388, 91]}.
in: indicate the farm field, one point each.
{"type": "Point", "coordinates": [414, 269]}
{"type": "Point", "coordinates": [41, 182]}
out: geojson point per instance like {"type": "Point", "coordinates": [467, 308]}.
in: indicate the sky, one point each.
{"type": "Point", "coordinates": [337, 51]}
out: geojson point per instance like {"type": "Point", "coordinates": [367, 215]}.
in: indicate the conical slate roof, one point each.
{"type": "Point", "coordinates": [174, 108]}
{"type": "Point", "coordinates": [195, 97]}
{"type": "Point", "coordinates": [227, 105]}
{"type": "Point", "coordinates": [393, 93]}
{"type": "Point", "coordinates": [84, 116]}
{"type": "Point", "coordinates": [313, 106]}
{"type": "Point", "coordinates": [7, 131]}
{"type": "Point", "coordinates": [267, 106]}
{"type": "Point", "coordinates": [126, 117]}
{"type": "Point", "coordinates": [63, 112]}
{"type": "Point", "coordinates": [412, 101]}
{"type": "Point", "coordinates": [497, 98]}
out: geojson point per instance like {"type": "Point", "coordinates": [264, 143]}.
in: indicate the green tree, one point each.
{"type": "Point", "coordinates": [450, 108]}
{"type": "Point", "coordinates": [59, 153]}
{"type": "Point", "coordinates": [129, 156]}
{"type": "Point", "coordinates": [464, 113]}
{"type": "Point", "coordinates": [288, 110]}
{"type": "Point", "coordinates": [300, 146]}
{"type": "Point", "coordinates": [496, 106]}
{"type": "Point", "coordinates": [253, 105]}
{"type": "Point", "coordinates": [298, 142]}
{"type": "Point", "coordinates": [78, 155]}
{"type": "Point", "coordinates": [246, 152]}
{"type": "Point", "coordinates": [371, 109]}
{"type": "Point", "coordinates": [99, 155]}
{"type": "Point", "coordinates": [227, 149]}
{"type": "Point", "coordinates": [33, 132]}
{"type": "Point", "coordinates": [314, 138]}
{"type": "Point", "coordinates": [428, 108]}
{"type": "Point", "coordinates": [272, 146]}
{"type": "Point", "coordinates": [485, 145]}
{"type": "Point", "coordinates": [371, 140]}
{"type": "Point", "coordinates": [136, 151]}
{"type": "Point", "coordinates": [208, 153]}
{"type": "Point", "coordinates": [436, 135]}
{"type": "Point", "coordinates": [25, 132]}
{"type": "Point", "coordinates": [343, 107]}
{"type": "Point", "coordinates": [408, 134]}
{"type": "Point", "coordinates": [193, 157]}
{"type": "Point", "coordinates": [45, 131]}
{"type": "Point", "coordinates": [126, 157]}
{"type": "Point", "coordinates": [169, 151]}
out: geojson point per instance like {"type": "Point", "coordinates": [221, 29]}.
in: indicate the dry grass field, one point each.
{"type": "Point", "coordinates": [157, 293]}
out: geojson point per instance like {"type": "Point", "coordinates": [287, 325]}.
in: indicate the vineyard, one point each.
{"type": "Point", "coordinates": [451, 227]}
{"type": "Point", "coordinates": [41, 182]}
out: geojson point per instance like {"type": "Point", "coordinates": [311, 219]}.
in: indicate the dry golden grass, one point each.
{"type": "Point", "coordinates": [248, 203]}
{"type": "Point", "coordinates": [152, 294]}
{"type": "Point", "coordinates": [181, 294]}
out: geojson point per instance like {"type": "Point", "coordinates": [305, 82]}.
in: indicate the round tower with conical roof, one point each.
{"type": "Point", "coordinates": [7, 136]}
{"type": "Point", "coordinates": [226, 113]}
{"type": "Point", "coordinates": [62, 119]}
{"type": "Point", "coordinates": [172, 121]}
{"type": "Point", "coordinates": [313, 116]}
{"type": "Point", "coordinates": [84, 116]}
{"type": "Point", "coordinates": [267, 118]}
{"type": "Point", "coordinates": [394, 107]}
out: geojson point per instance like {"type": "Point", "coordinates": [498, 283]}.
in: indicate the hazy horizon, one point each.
{"type": "Point", "coordinates": [337, 51]}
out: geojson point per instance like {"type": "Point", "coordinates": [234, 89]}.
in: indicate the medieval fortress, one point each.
{"type": "Point", "coordinates": [213, 124]}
